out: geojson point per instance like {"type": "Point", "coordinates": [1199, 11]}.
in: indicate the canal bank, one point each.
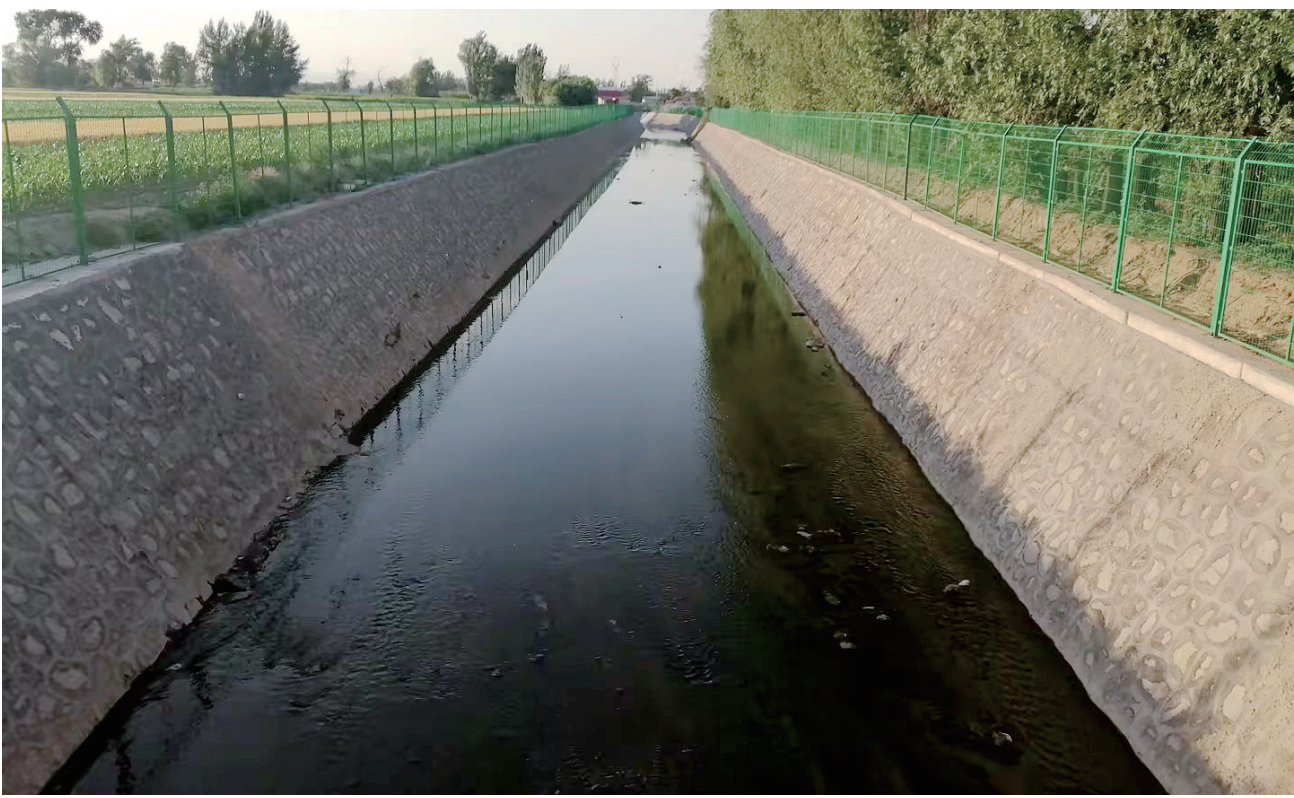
{"type": "Point", "coordinates": [162, 408]}
{"type": "Point", "coordinates": [627, 532]}
{"type": "Point", "coordinates": [1136, 495]}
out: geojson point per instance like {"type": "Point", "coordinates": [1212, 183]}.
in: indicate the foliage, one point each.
{"type": "Point", "coordinates": [177, 66]}
{"type": "Point", "coordinates": [572, 91]}
{"type": "Point", "coordinates": [48, 49]}
{"type": "Point", "coordinates": [503, 84]}
{"type": "Point", "coordinates": [395, 85]}
{"type": "Point", "coordinates": [124, 61]}
{"type": "Point", "coordinates": [1208, 72]}
{"type": "Point", "coordinates": [448, 82]}
{"type": "Point", "coordinates": [478, 57]}
{"type": "Point", "coordinates": [422, 78]}
{"type": "Point", "coordinates": [639, 87]}
{"type": "Point", "coordinates": [257, 59]}
{"type": "Point", "coordinates": [531, 63]}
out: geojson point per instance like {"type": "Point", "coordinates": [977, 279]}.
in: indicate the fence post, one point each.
{"type": "Point", "coordinates": [1001, 168]}
{"type": "Point", "coordinates": [11, 183]}
{"type": "Point", "coordinates": [363, 144]}
{"type": "Point", "coordinates": [907, 158]}
{"type": "Point", "coordinates": [332, 177]}
{"type": "Point", "coordinates": [885, 176]}
{"type": "Point", "coordinates": [1124, 207]}
{"type": "Point", "coordinates": [1229, 239]}
{"type": "Point", "coordinates": [170, 171]}
{"type": "Point", "coordinates": [930, 156]}
{"type": "Point", "coordinates": [961, 161]}
{"type": "Point", "coordinates": [287, 149]}
{"type": "Point", "coordinates": [416, 159]}
{"type": "Point", "coordinates": [74, 179]}
{"type": "Point", "coordinates": [1051, 193]}
{"type": "Point", "coordinates": [390, 118]}
{"type": "Point", "coordinates": [233, 161]}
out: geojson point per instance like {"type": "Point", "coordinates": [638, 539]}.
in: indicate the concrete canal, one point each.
{"type": "Point", "coordinates": [633, 530]}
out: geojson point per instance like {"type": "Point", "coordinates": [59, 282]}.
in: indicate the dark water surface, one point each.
{"type": "Point", "coordinates": [572, 560]}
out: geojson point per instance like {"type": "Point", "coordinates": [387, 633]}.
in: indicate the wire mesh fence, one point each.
{"type": "Point", "coordinates": [1200, 227]}
{"type": "Point", "coordinates": [87, 179]}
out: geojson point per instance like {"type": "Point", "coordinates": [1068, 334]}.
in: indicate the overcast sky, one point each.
{"type": "Point", "coordinates": [664, 44]}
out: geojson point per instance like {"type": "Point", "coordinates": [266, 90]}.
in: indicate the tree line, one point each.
{"type": "Point", "coordinates": [1197, 71]}
{"type": "Point", "coordinates": [262, 58]}
{"type": "Point", "coordinates": [257, 58]}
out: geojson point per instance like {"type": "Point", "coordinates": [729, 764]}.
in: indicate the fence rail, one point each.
{"type": "Point", "coordinates": [91, 179]}
{"type": "Point", "coordinates": [1202, 228]}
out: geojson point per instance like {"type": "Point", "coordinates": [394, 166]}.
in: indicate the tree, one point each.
{"type": "Point", "coordinates": [369, 87]}
{"type": "Point", "coordinates": [176, 66]}
{"type": "Point", "coordinates": [395, 86]}
{"type": "Point", "coordinates": [639, 87]}
{"type": "Point", "coordinates": [258, 59]}
{"type": "Point", "coordinates": [48, 49]}
{"type": "Point", "coordinates": [503, 82]}
{"type": "Point", "coordinates": [478, 57]}
{"type": "Point", "coordinates": [573, 91]}
{"type": "Point", "coordinates": [531, 63]}
{"type": "Point", "coordinates": [448, 81]}
{"type": "Point", "coordinates": [122, 62]}
{"type": "Point", "coordinates": [344, 75]}
{"type": "Point", "coordinates": [422, 78]}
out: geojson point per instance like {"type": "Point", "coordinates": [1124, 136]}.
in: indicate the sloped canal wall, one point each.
{"type": "Point", "coordinates": [159, 409]}
{"type": "Point", "coordinates": [1132, 480]}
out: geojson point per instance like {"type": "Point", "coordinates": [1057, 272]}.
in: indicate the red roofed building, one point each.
{"type": "Point", "coordinates": [611, 96]}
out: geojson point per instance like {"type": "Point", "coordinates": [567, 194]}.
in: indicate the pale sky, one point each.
{"type": "Point", "coordinates": [664, 44]}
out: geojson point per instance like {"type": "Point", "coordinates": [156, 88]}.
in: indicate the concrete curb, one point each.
{"type": "Point", "coordinates": [1229, 358]}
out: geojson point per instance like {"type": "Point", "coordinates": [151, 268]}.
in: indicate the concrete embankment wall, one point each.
{"type": "Point", "coordinates": [158, 410]}
{"type": "Point", "coordinates": [1132, 479]}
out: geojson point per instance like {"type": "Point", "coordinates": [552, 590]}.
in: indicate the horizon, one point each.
{"type": "Point", "coordinates": [666, 45]}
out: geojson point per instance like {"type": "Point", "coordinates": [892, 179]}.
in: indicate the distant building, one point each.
{"type": "Point", "coordinates": [612, 96]}
{"type": "Point", "coordinates": [651, 100]}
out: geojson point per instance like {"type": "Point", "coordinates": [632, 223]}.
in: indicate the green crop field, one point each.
{"type": "Point", "coordinates": [132, 194]}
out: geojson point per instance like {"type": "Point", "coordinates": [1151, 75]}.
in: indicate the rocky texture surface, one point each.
{"type": "Point", "coordinates": [157, 411]}
{"type": "Point", "coordinates": [1139, 501]}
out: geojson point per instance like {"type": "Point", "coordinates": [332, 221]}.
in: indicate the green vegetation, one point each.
{"type": "Point", "coordinates": [132, 194]}
{"type": "Point", "coordinates": [48, 49]}
{"type": "Point", "coordinates": [1198, 71]}
{"type": "Point", "coordinates": [531, 62]}
{"type": "Point", "coordinates": [258, 59]}
{"type": "Point", "coordinates": [571, 91]}
{"type": "Point", "coordinates": [478, 57]}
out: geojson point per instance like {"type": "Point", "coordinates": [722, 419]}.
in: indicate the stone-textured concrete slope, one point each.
{"type": "Point", "coordinates": [1140, 502]}
{"type": "Point", "coordinates": [158, 411]}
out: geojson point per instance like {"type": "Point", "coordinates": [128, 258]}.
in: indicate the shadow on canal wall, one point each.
{"type": "Point", "coordinates": [1140, 503]}
{"type": "Point", "coordinates": [160, 409]}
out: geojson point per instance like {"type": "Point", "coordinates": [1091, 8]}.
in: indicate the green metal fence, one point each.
{"type": "Point", "coordinates": [1200, 227]}
{"type": "Point", "coordinates": [87, 179]}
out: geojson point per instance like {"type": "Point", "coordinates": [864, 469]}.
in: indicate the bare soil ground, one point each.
{"type": "Point", "coordinates": [1260, 299]}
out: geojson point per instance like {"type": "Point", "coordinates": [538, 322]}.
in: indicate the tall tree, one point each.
{"type": "Point", "coordinates": [345, 73]}
{"type": "Point", "coordinates": [122, 62]}
{"type": "Point", "coordinates": [422, 78]}
{"type": "Point", "coordinates": [259, 59]}
{"type": "Point", "coordinates": [531, 63]}
{"type": "Point", "coordinates": [503, 82]}
{"type": "Point", "coordinates": [48, 49]}
{"type": "Point", "coordinates": [478, 57]}
{"type": "Point", "coordinates": [176, 65]}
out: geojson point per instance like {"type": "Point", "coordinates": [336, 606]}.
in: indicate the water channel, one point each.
{"type": "Point", "coordinates": [628, 533]}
